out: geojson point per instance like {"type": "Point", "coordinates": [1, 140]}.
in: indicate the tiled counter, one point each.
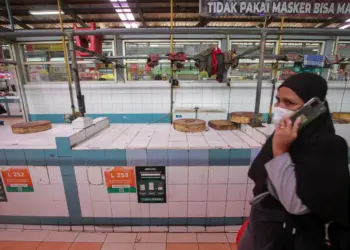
{"type": "Point", "coordinates": [206, 176]}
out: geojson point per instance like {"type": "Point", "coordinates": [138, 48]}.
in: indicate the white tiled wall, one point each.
{"type": "Point", "coordinates": [154, 97]}
{"type": "Point", "coordinates": [48, 198]}
{"type": "Point", "coordinates": [191, 192]}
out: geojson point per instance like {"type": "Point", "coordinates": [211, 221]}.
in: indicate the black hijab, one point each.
{"type": "Point", "coordinates": [319, 155]}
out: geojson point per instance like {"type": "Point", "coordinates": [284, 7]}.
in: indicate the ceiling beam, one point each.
{"type": "Point", "coordinates": [139, 11]}
{"type": "Point", "coordinates": [329, 22]}
{"type": "Point", "coordinates": [73, 15]}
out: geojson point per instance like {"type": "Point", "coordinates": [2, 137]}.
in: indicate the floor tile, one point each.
{"type": "Point", "coordinates": [33, 235]}
{"type": "Point", "coordinates": [173, 246]}
{"type": "Point", "coordinates": [182, 238]}
{"type": "Point", "coordinates": [151, 237]}
{"type": "Point", "coordinates": [231, 237]}
{"type": "Point", "coordinates": [54, 246]}
{"type": "Point", "coordinates": [121, 237]}
{"type": "Point", "coordinates": [212, 238]}
{"type": "Point", "coordinates": [91, 237]}
{"type": "Point", "coordinates": [9, 236]}
{"type": "Point", "coordinates": [150, 246]}
{"type": "Point", "coordinates": [24, 245]}
{"type": "Point", "coordinates": [214, 246]}
{"type": "Point", "coordinates": [234, 246]}
{"type": "Point", "coordinates": [86, 246]}
{"type": "Point", "coordinates": [118, 246]}
{"type": "Point", "coordinates": [62, 236]}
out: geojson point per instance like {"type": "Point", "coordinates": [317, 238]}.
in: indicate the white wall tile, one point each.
{"type": "Point", "coordinates": [86, 208]}
{"type": "Point", "coordinates": [61, 208]}
{"type": "Point", "coordinates": [84, 192]}
{"type": "Point", "coordinates": [81, 175]}
{"type": "Point", "coordinates": [198, 175]}
{"type": "Point", "coordinates": [41, 193]}
{"type": "Point", "coordinates": [216, 208]}
{"type": "Point", "coordinates": [178, 209]}
{"type": "Point", "coordinates": [197, 192]}
{"type": "Point", "coordinates": [102, 209]}
{"type": "Point", "coordinates": [195, 229]}
{"type": "Point", "coordinates": [217, 192]}
{"type": "Point", "coordinates": [159, 210]}
{"type": "Point", "coordinates": [121, 209]}
{"type": "Point", "coordinates": [217, 229]}
{"type": "Point", "coordinates": [197, 209]}
{"type": "Point", "coordinates": [55, 176]}
{"type": "Point", "coordinates": [236, 192]}
{"type": "Point", "coordinates": [95, 175]}
{"type": "Point", "coordinates": [140, 209]}
{"type": "Point", "coordinates": [58, 192]}
{"type": "Point", "coordinates": [117, 229]}
{"type": "Point", "coordinates": [160, 229]}
{"type": "Point", "coordinates": [39, 175]}
{"type": "Point", "coordinates": [250, 194]}
{"type": "Point", "coordinates": [178, 229]}
{"type": "Point", "coordinates": [247, 209]}
{"type": "Point", "coordinates": [99, 193]}
{"type": "Point", "coordinates": [218, 175]}
{"type": "Point", "coordinates": [177, 175]}
{"type": "Point", "coordinates": [119, 196]}
{"type": "Point", "coordinates": [235, 208]}
{"type": "Point", "coordinates": [177, 193]}
{"type": "Point", "coordinates": [238, 174]}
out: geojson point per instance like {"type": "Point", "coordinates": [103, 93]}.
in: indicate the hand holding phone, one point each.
{"type": "Point", "coordinates": [309, 112]}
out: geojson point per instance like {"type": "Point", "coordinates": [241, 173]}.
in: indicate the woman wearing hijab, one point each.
{"type": "Point", "coordinates": [301, 176]}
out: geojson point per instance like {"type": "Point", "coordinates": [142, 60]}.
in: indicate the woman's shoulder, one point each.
{"type": "Point", "coordinates": [328, 140]}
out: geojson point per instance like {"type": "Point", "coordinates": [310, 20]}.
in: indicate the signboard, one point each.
{"type": "Point", "coordinates": [324, 8]}
{"type": "Point", "coordinates": [17, 180]}
{"type": "Point", "coordinates": [3, 197]}
{"type": "Point", "coordinates": [120, 180]}
{"type": "Point", "coordinates": [151, 185]}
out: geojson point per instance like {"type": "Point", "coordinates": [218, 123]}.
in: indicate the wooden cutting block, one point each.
{"type": "Point", "coordinates": [242, 117]}
{"type": "Point", "coordinates": [341, 117]}
{"type": "Point", "coordinates": [189, 125]}
{"type": "Point", "coordinates": [31, 127]}
{"type": "Point", "coordinates": [222, 125]}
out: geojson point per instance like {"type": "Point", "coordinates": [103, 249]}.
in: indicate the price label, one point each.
{"type": "Point", "coordinates": [120, 180]}
{"type": "Point", "coordinates": [17, 180]}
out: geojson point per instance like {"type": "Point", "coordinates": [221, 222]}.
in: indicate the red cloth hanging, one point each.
{"type": "Point", "coordinates": [214, 61]}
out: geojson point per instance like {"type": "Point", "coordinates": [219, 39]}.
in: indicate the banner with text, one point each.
{"type": "Point", "coordinates": [326, 8]}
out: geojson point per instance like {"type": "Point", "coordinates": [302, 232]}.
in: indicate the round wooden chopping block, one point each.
{"type": "Point", "coordinates": [31, 127]}
{"type": "Point", "coordinates": [222, 125]}
{"type": "Point", "coordinates": [189, 125]}
{"type": "Point", "coordinates": [242, 117]}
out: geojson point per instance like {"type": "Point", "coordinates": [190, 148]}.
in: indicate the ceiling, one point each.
{"type": "Point", "coordinates": [145, 13]}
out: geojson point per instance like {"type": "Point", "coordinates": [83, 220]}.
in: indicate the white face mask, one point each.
{"type": "Point", "coordinates": [279, 114]}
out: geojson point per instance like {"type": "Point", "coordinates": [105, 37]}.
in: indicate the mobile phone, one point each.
{"type": "Point", "coordinates": [309, 112]}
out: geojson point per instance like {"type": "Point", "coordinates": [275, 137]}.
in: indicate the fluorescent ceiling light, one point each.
{"type": "Point", "coordinates": [127, 25]}
{"type": "Point", "coordinates": [344, 27]}
{"type": "Point", "coordinates": [117, 1]}
{"type": "Point", "coordinates": [119, 10]}
{"type": "Point", "coordinates": [127, 10]}
{"type": "Point", "coordinates": [45, 12]}
{"type": "Point", "coordinates": [122, 16]}
{"type": "Point", "coordinates": [130, 17]}
{"type": "Point", "coordinates": [347, 21]}
{"type": "Point", "coordinates": [134, 25]}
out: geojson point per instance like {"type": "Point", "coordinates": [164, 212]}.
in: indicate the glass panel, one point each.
{"type": "Point", "coordinates": [9, 95]}
{"type": "Point", "coordinates": [163, 48]}
{"type": "Point", "coordinates": [57, 72]}
{"type": "Point", "coordinates": [140, 71]}
{"type": "Point", "coordinates": [5, 52]}
{"type": "Point", "coordinates": [340, 72]}
{"type": "Point", "coordinates": [305, 48]}
{"type": "Point", "coordinates": [244, 46]}
{"type": "Point", "coordinates": [54, 52]}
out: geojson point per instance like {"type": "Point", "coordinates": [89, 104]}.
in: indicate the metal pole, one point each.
{"type": "Point", "coordinates": [20, 81]}
{"type": "Point", "coordinates": [80, 97]}
{"type": "Point", "coordinates": [171, 63]}
{"type": "Point", "coordinates": [115, 50]}
{"type": "Point", "coordinates": [9, 13]}
{"type": "Point", "coordinates": [261, 72]}
{"type": "Point", "coordinates": [69, 77]}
